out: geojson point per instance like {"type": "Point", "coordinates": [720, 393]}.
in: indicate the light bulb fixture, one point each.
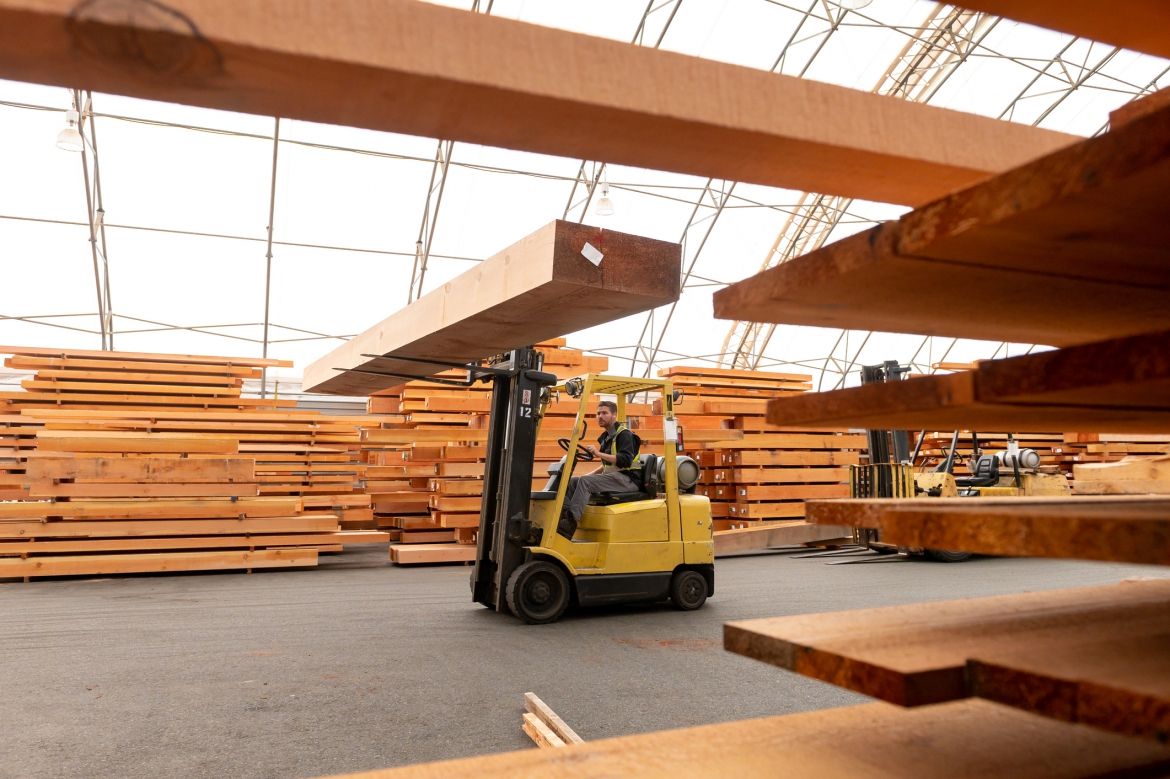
{"type": "Point", "coordinates": [604, 204]}
{"type": "Point", "coordinates": [69, 139]}
{"type": "Point", "coordinates": [853, 5]}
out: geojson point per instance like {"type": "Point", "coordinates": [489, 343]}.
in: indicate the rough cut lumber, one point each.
{"type": "Point", "coordinates": [414, 554]}
{"type": "Point", "coordinates": [495, 81]}
{"type": "Point", "coordinates": [539, 286]}
{"type": "Point", "coordinates": [1098, 206]}
{"type": "Point", "coordinates": [1120, 385]}
{"type": "Point", "coordinates": [960, 740]}
{"type": "Point", "coordinates": [1141, 26]}
{"type": "Point", "coordinates": [92, 565]}
{"type": "Point", "coordinates": [162, 509]}
{"type": "Point", "coordinates": [771, 535]}
{"type": "Point", "coordinates": [10, 529]}
{"type": "Point", "coordinates": [1130, 476]}
{"type": "Point", "coordinates": [116, 357]}
{"type": "Point", "coordinates": [318, 540]}
{"type": "Point", "coordinates": [920, 654]}
{"type": "Point", "coordinates": [1117, 529]}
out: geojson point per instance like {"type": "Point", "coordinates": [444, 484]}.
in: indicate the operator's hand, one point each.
{"type": "Point", "coordinates": [591, 449]}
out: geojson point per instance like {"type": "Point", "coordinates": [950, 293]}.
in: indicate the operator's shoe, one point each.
{"type": "Point", "coordinates": [567, 526]}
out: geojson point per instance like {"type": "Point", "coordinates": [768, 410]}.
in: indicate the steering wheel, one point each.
{"type": "Point", "coordinates": [582, 455]}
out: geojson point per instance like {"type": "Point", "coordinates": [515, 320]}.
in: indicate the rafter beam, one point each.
{"type": "Point", "coordinates": [410, 67]}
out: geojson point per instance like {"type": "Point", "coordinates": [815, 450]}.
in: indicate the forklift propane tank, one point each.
{"type": "Point", "coordinates": [688, 472]}
{"type": "Point", "coordinates": [1028, 459]}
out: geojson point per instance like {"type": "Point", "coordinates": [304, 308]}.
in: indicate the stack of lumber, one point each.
{"type": "Point", "coordinates": [770, 471]}
{"type": "Point", "coordinates": [1111, 447]}
{"type": "Point", "coordinates": [1092, 657]}
{"type": "Point", "coordinates": [127, 462]}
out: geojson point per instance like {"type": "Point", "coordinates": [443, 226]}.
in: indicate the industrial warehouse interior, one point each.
{"type": "Point", "coordinates": [500, 388]}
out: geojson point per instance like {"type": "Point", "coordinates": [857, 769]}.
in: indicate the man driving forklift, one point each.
{"type": "Point", "coordinates": [621, 469]}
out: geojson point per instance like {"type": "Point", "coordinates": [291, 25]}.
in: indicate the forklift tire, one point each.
{"type": "Point", "coordinates": [688, 590]}
{"type": "Point", "coordinates": [538, 592]}
{"type": "Point", "coordinates": [946, 555]}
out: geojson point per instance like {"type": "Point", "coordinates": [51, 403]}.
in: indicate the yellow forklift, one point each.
{"type": "Point", "coordinates": [654, 544]}
{"type": "Point", "coordinates": [892, 472]}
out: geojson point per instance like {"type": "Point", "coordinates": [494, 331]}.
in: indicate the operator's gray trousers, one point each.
{"type": "Point", "coordinates": [581, 488]}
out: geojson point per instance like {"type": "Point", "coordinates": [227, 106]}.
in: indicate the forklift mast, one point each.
{"type": "Point", "coordinates": [519, 388]}
{"type": "Point", "coordinates": [887, 446]}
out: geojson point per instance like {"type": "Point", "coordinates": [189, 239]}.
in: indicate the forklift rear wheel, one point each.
{"type": "Point", "coordinates": [688, 590]}
{"type": "Point", "coordinates": [538, 592]}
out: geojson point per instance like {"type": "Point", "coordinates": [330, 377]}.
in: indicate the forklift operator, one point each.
{"type": "Point", "coordinates": [620, 471]}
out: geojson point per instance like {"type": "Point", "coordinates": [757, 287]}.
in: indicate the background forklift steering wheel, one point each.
{"type": "Point", "coordinates": [582, 455]}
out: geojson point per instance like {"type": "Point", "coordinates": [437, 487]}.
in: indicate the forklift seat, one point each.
{"type": "Point", "coordinates": [648, 490]}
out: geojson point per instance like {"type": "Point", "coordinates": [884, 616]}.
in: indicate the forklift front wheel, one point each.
{"type": "Point", "coordinates": [688, 590]}
{"type": "Point", "coordinates": [538, 592]}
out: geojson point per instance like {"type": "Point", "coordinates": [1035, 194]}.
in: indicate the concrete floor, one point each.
{"type": "Point", "coordinates": [359, 665]}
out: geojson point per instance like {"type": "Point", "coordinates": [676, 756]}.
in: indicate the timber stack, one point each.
{"type": "Point", "coordinates": [127, 462]}
{"type": "Point", "coordinates": [768, 473]}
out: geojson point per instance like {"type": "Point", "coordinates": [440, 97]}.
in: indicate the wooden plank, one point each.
{"type": "Point", "coordinates": [515, 88]}
{"type": "Point", "coordinates": [87, 441]}
{"type": "Point", "coordinates": [1140, 28]}
{"type": "Point", "coordinates": [79, 400]}
{"type": "Point", "coordinates": [143, 469]}
{"type": "Point", "coordinates": [467, 434]}
{"type": "Point", "coordinates": [166, 527]}
{"type": "Point", "coordinates": [1119, 385]}
{"type": "Point", "coordinates": [541, 734]}
{"type": "Point", "coordinates": [1096, 205]}
{"type": "Point", "coordinates": [121, 378]}
{"type": "Point", "coordinates": [1113, 528]}
{"type": "Point", "coordinates": [158, 357]}
{"type": "Point", "coordinates": [128, 490]}
{"type": "Point", "coordinates": [539, 286]}
{"type": "Point", "coordinates": [191, 542]}
{"type": "Point", "coordinates": [417, 554]}
{"type": "Point", "coordinates": [71, 364]}
{"type": "Point", "coordinates": [962, 740]}
{"type": "Point", "coordinates": [103, 564]}
{"type": "Point", "coordinates": [147, 509]}
{"type": "Point", "coordinates": [771, 535]}
{"type": "Point", "coordinates": [917, 654]}
{"type": "Point", "coordinates": [542, 711]}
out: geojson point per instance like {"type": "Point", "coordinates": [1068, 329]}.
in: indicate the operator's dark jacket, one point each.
{"type": "Point", "coordinates": [626, 448]}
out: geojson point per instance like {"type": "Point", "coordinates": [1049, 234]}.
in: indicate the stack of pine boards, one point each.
{"type": "Point", "coordinates": [769, 472]}
{"type": "Point", "coordinates": [121, 462]}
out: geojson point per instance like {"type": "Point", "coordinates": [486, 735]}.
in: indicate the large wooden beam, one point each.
{"type": "Point", "coordinates": [540, 287]}
{"type": "Point", "coordinates": [1093, 654]}
{"type": "Point", "coordinates": [1136, 24]}
{"type": "Point", "coordinates": [1121, 385]}
{"type": "Point", "coordinates": [1067, 249]}
{"type": "Point", "coordinates": [415, 68]}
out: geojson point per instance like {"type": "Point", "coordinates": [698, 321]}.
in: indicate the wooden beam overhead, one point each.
{"type": "Point", "coordinates": [416, 68]}
{"type": "Point", "coordinates": [1067, 249]}
{"type": "Point", "coordinates": [541, 286]}
{"type": "Point", "coordinates": [1136, 24]}
{"type": "Point", "coordinates": [1121, 385]}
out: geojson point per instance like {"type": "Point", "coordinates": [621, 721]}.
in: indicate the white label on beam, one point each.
{"type": "Point", "coordinates": [591, 253]}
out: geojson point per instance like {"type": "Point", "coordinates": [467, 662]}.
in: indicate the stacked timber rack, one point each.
{"type": "Point", "coordinates": [1091, 657]}
{"type": "Point", "coordinates": [128, 462]}
{"type": "Point", "coordinates": [764, 478]}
